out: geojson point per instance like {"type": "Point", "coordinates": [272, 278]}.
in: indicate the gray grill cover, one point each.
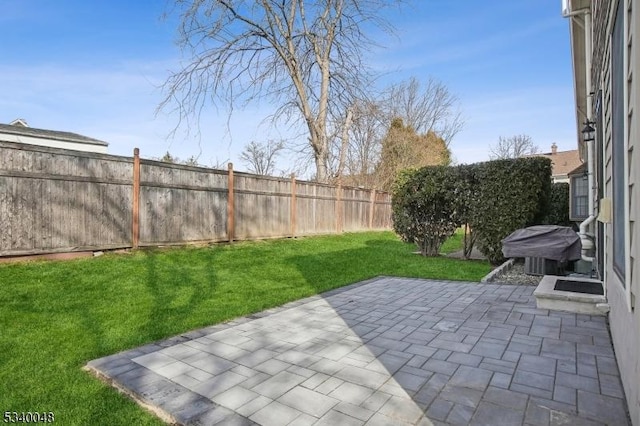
{"type": "Point", "coordinates": [548, 241]}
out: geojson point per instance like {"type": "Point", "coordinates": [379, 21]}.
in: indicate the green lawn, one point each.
{"type": "Point", "coordinates": [56, 316]}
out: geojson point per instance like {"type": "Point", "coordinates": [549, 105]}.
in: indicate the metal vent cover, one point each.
{"type": "Point", "coordinates": [540, 266]}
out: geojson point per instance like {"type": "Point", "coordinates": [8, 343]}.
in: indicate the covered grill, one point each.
{"type": "Point", "coordinates": [559, 243]}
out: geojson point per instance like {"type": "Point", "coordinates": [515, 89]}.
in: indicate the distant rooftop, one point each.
{"type": "Point", "coordinates": [562, 162]}
{"type": "Point", "coordinates": [19, 127]}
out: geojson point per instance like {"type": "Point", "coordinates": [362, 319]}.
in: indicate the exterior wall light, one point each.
{"type": "Point", "coordinates": [588, 133]}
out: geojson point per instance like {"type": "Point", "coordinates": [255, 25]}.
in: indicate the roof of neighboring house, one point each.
{"type": "Point", "coordinates": [563, 162]}
{"type": "Point", "coordinates": [19, 128]}
{"type": "Point", "coordinates": [581, 169]}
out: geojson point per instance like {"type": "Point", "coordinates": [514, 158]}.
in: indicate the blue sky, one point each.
{"type": "Point", "coordinates": [95, 67]}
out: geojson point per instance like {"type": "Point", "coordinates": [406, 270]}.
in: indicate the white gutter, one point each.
{"type": "Point", "coordinates": [576, 13]}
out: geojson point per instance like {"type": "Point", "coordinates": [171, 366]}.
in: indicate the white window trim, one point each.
{"type": "Point", "coordinates": [625, 97]}
{"type": "Point", "coordinates": [572, 198]}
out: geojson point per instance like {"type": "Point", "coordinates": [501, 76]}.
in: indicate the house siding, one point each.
{"type": "Point", "coordinates": [600, 12]}
{"type": "Point", "coordinates": [624, 316]}
{"type": "Point", "coordinates": [53, 143]}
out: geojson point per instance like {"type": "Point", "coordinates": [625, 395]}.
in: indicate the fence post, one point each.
{"type": "Point", "coordinates": [339, 209]}
{"type": "Point", "coordinates": [293, 205]}
{"type": "Point", "coordinates": [372, 208]}
{"type": "Point", "coordinates": [135, 231]}
{"type": "Point", "coordinates": [230, 205]}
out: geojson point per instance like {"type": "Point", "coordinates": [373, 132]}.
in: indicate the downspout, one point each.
{"type": "Point", "coordinates": [585, 239]}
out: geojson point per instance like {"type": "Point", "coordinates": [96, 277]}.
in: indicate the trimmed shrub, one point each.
{"type": "Point", "coordinates": [491, 199]}
{"type": "Point", "coordinates": [424, 207]}
{"type": "Point", "coordinates": [558, 213]}
{"type": "Point", "coordinates": [512, 194]}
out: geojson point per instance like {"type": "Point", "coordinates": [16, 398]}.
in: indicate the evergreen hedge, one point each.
{"type": "Point", "coordinates": [495, 198]}
{"type": "Point", "coordinates": [512, 194]}
{"type": "Point", "coordinates": [468, 198]}
{"type": "Point", "coordinates": [558, 213]}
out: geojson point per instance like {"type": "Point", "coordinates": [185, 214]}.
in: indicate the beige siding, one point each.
{"type": "Point", "coordinates": [53, 143]}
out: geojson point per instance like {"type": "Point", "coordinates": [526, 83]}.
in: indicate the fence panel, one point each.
{"type": "Point", "coordinates": [316, 208]}
{"type": "Point", "coordinates": [180, 204]}
{"type": "Point", "coordinates": [262, 207]}
{"type": "Point", "coordinates": [382, 211]}
{"type": "Point", "coordinates": [356, 209]}
{"type": "Point", "coordinates": [56, 200]}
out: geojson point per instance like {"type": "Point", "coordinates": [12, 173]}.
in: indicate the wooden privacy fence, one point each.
{"type": "Point", "coordinates": [56, 200]}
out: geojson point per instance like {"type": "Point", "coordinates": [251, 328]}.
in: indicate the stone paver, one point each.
{"type": "Point", "coordinates": [385, 351]}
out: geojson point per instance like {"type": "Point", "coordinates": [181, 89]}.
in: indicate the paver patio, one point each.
{"type": "Point", "coordinates": [387, 351]}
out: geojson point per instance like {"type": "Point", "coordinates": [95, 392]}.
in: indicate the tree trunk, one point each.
{"type": "Point", "coordinates": [321, 170]}
{"type": "Point", "coordinates": [469, 241]}
{"type": "Point", "coordinates": [430, 248]}
{"type": "Point", "coordinates": [320, 154]}
{"type": "Point", "coordinates": [344, 143]}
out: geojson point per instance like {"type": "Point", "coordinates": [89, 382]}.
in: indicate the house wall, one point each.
{"type": "Point", "coordinates": [624, 316]}
{"type": "Point", "coordinates": [52, 143]}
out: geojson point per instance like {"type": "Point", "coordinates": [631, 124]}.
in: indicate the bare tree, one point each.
{"type": "Point", "coordinates": [260, 158]}
{"type": "Point", "coordinates": [513, 147]}
{"type": "Point", "coordinates": [168, 158]}
{"type": "Point", "coordinates": [173, 159]}
{"type": "Point", "coordinates": [430, 110]}
{"type": "Point", "coordinates": [218, 164]}
{"type": "Point", "coordinates": [344, 142]}
{"type": "Point", "coordinates": [338, 139]}
{"type": "Point", "coordinates": [431, 107]}
{"type": "Point", "coordinates": [305, 56]}
{"type": "Point", "coordinates": [192, 161]}
{"type": "Point", "coordinates": [365, 144]}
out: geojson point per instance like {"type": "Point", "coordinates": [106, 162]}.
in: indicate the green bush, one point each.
{"type": "Point", "coordinates": [468, 198]}
{"type": "Point", "coordinates": [558, 213]}
{"type": "Point", "coordinates": [493, 198]}
{"type": "Point", "coordinates": [512, 194]}
{"type": "Point", "coordinates": [424, 207]}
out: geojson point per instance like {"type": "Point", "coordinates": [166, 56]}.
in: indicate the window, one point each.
{"type": "Point", "coordinates": [618, 142]}
{"type": "Point", "coordinates": [579, 197]}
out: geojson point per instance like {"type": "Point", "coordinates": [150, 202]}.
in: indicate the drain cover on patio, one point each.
{"type": "Point", "coordinates": [579, 287]}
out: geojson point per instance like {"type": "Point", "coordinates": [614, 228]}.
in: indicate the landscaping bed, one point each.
{"type": "Point", "coordinates": [512, 272]}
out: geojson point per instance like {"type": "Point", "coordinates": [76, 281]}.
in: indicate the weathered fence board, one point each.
{"type": "Point", "coordinates": [262, 206]}
{"type": "Point", "coordinates": [54, 200]}
{"type": "Point", "coordinates": [382, 211]}
{"type": "Point", "coordinates": [181, 204]}
{"type": "Point", "coordinates": [316, 212]}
